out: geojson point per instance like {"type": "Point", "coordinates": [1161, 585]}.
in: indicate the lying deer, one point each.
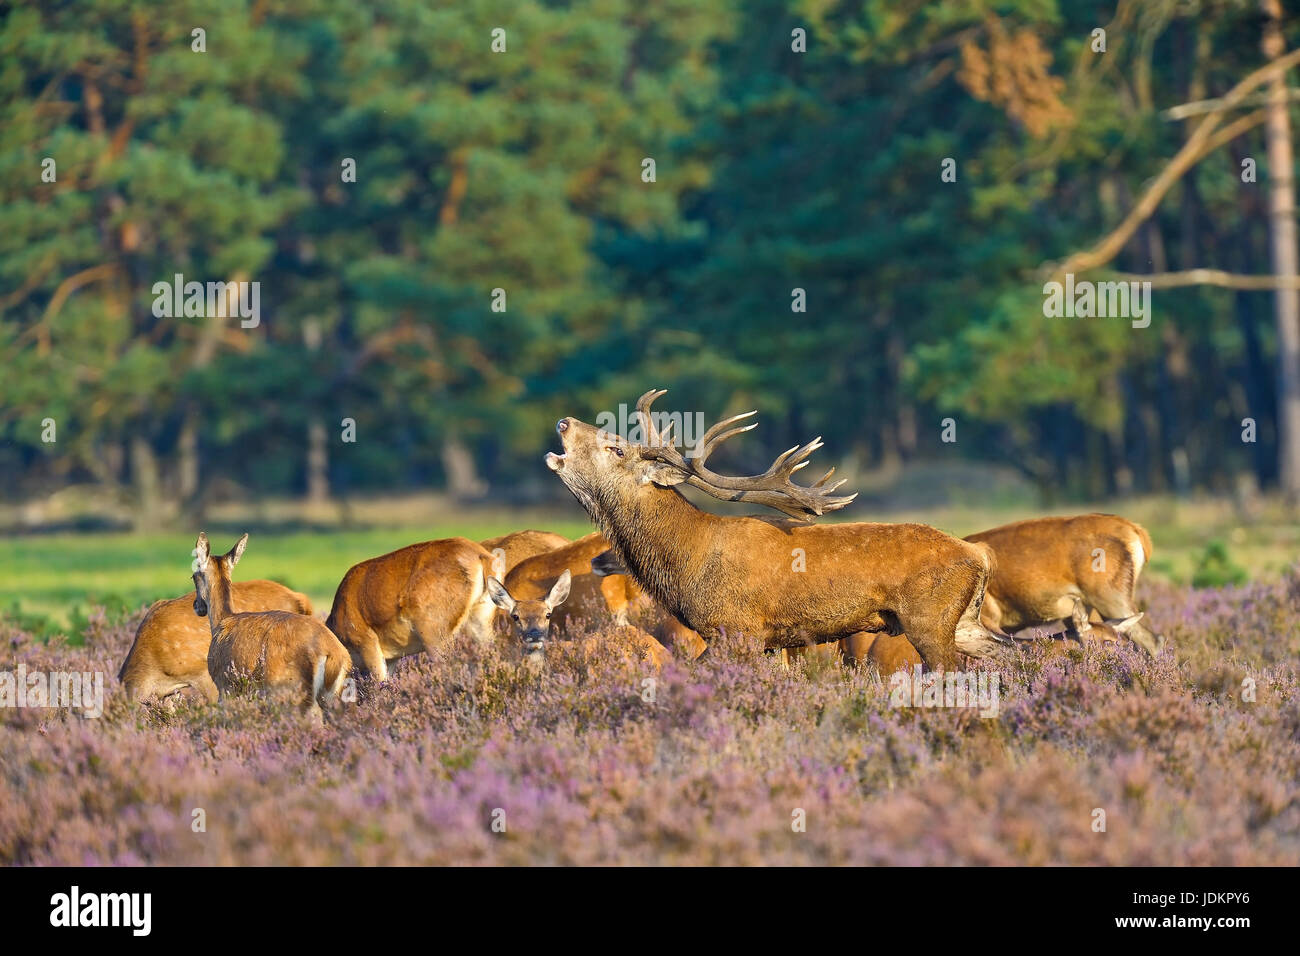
{"type": "Point", "coordinates": [519, 545]}
{"type": "Point", "coordinates": [416, 599]}
{"type": "Point", "coordinates": [596, 588]}
{"type": "Point", "coordinates": [1045, 564]}
{"type": "Point", "coordinates": [739, 574]}
{"type": "Point", "coordinates": [279, 650]}
{"type": "Point", "coordinates": [531, 620]}
{"type": "Point", "coordinates": [170, 650]}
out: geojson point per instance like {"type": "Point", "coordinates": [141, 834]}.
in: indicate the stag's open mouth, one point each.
{"type": "Point", "coordinates": [553, 461]}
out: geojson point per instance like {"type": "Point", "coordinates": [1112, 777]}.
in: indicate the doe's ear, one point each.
{"type": "Point", "coordinates": [499, 595]}
{"type": "Point", "coordinates": [662, 474]}
{"type": "Point", "coordinates": [1128, 623]}
{"type": "Point", "coordinates": [201, 551]}
{"type": "Point", "coordinates": [559, 590]}
{"type": "Point", "coordinates": [237, 551]}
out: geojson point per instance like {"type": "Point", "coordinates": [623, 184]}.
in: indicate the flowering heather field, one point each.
{"type": "Point", "coordinates": [710, 773]}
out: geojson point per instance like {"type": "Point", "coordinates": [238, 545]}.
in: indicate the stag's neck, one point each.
{"type": "Point", "coordinates": [662, 540]}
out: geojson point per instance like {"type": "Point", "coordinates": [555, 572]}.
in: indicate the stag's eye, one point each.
{"type": "Point", "coordinates": [615, 449]}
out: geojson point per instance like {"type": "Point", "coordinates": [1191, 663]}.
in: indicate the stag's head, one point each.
{"type": "Point", "coordinates": [530, 620]}
{"type": "Point", "coordinates": [212, 570]}
{"type": "Point", "coordinates": [609, 473]}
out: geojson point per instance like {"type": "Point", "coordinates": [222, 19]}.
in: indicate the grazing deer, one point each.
{"type": "Point", "coordinates": [1078, 627]}
{"type": "Point", "coordinates": [518, 545]}
{"type": "Point", "coordinates": [170, 650]}
{"type": "Point", "coordinates": [740, 574]}
{"type": "Point", "coordinates": [416, 599]}
{"type": "Point", "coordinates": [531, 620]}
{"type": "Point", "coordinates": [280, 650]}
{"type": "Point", "coordinates": [1044, 564]}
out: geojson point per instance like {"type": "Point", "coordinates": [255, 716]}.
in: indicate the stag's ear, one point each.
{"type": "Point", "coordinates": [1128, 623]}
{"type": "Point", "coordinates": [1079, 618]}
{"type": "Point", "coordinates": [237, 551]}
{"type": "Point", "coordinates": [559, 591]}
{"type": "Point", "coordinates": [662, 474]}
{"type": "Point", "coordinates": [499, 595]}
{"type": "Point", "coordinates": [201, 552]}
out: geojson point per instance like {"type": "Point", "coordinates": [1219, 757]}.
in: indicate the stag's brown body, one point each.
{"type": "Point", "coordinates": [416, 599]}
{"type": "Point", "coordinates": [170, 650]}
{"type": "Point", "coordinates": [741, 574]}
{"type": "Point", "coordinates": [276, 651]}
{"type": "Point", "coordinates": [1044, 564]}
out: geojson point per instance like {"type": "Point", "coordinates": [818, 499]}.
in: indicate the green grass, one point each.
{"type": "Point", "coordinates": [49, 583]}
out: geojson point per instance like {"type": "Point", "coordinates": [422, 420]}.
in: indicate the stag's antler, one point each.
{"type": "Point", "coordinates": [773, 488]}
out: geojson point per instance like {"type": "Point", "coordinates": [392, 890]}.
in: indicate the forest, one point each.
{"type": "Point", "coordinates": [465, 220]}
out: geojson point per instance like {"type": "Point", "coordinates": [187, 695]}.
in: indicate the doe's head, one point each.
{"type": "Point", "coordinates": [210, 568]}
{"type": "Point", "coordinates": [530, 619]}
{"type": "Point", "coordinates": [1105, 631]}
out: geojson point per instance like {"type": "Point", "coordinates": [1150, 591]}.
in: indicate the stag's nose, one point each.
{"type": "Point", "coordinates": [562, 425]}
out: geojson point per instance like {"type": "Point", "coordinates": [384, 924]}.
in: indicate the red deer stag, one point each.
{"type": "Point", "coordinates": [737, 573]}
{"type": "Point", "coordinates": [170, 650]}
{"type": "Point", "coordinates": [416, 599]}
{"type": "Point", "coordinates": [279, 650]}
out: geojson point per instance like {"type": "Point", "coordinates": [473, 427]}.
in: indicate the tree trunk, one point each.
{"type": "Point", "coordinates": [145, 484]}
{"type": "Point", "coordinates": [1282, 250]}
{"type": "Point", "coordinates": [187, 450]}
{"type": "Point", "coordinates": [318, 449]}
{"type": "Point", "coordinates": [318, 462]}
{"type": "Point", "coordinates": [462, 477]}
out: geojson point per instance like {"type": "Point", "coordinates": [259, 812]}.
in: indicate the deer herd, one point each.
{"type": "Point", "coordinates": [661, 577]}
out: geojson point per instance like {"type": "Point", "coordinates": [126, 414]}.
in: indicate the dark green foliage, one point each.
{"type": "Point", "coordinates": [521, 171]}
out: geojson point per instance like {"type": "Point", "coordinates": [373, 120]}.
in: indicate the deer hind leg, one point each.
{"type": "Point", "coordinates": [203, 683]}
{"type": "Point", "coordinates": [371, 656]}
{"type": "Point", "coordinates": [478, 618]}
{"type": "Point", "coordinates": [970, 634]}
{"type": "Point", "coordinates": [939, 633]}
